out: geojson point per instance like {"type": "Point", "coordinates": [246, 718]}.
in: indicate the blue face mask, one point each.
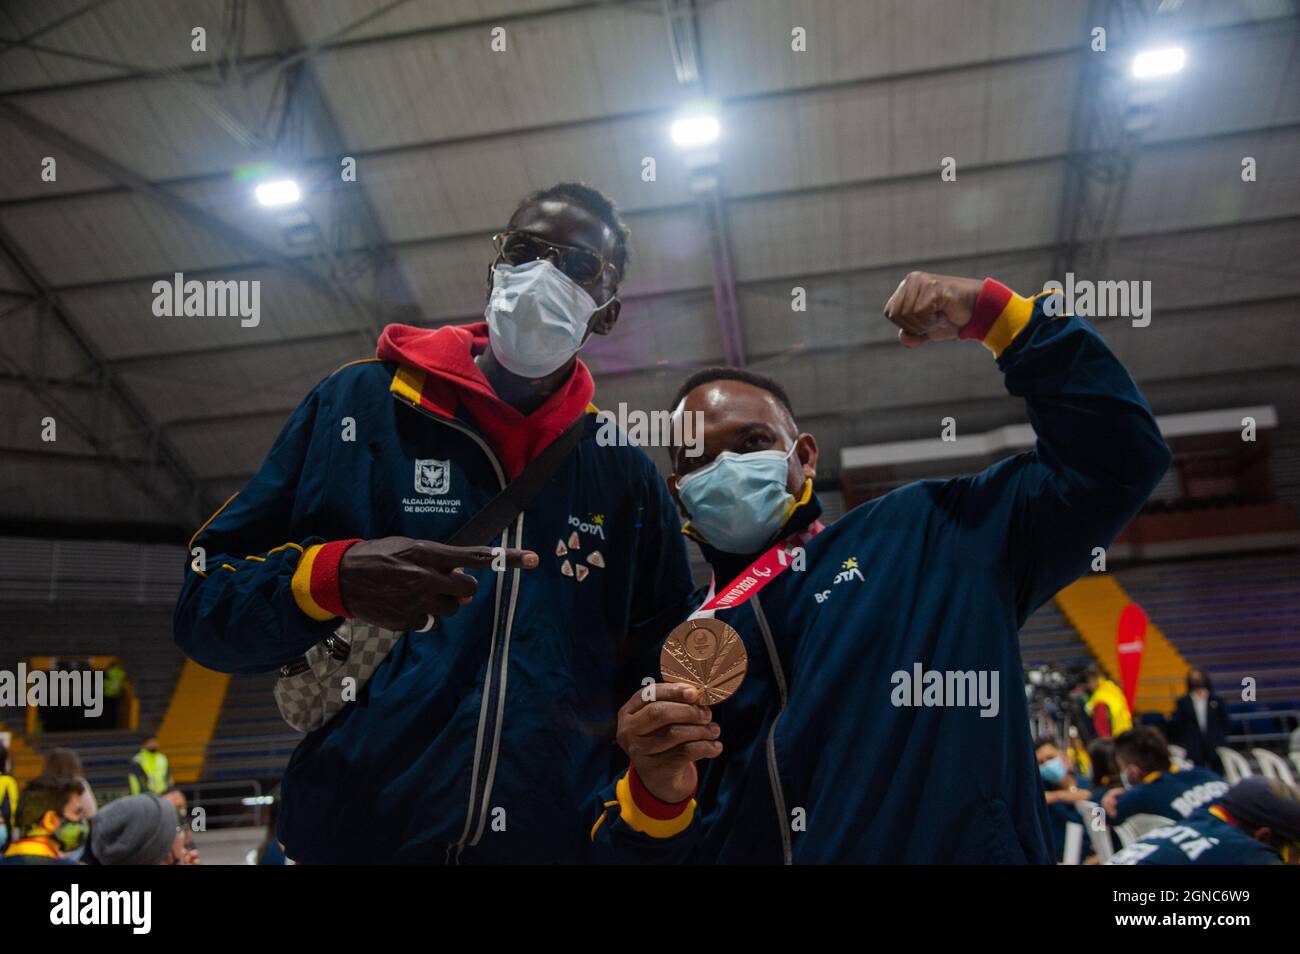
{"type": "Point", "coordinates": [739, 502]}
{"type": "Point", "coordinates": [1053, 770]}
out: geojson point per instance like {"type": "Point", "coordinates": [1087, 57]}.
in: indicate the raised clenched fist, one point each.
{"type": "Point", "coordinates": [928, 307]}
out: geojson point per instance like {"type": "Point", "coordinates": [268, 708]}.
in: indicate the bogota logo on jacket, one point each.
{"type": "Point", "coordinates": [849, 571]}
{"type": "Point", "coordinates": [432, 483]}
{"type": "Point", "coordinates": [573, 563]}
{"type": "Point", "coordinates": [432, 477]}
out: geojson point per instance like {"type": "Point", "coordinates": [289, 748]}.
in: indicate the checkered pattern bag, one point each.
{"type": "Point", "coordinates": [310, 691]}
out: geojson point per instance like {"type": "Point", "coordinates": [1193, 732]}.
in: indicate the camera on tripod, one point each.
{"type": "Point", "coordinates": [1054, 707]}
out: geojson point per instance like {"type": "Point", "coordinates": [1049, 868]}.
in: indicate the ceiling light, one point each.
{"type": "Point", "coordinates": [279, 192]}
{"type": "Point", "coordinates": [697, 129]}
{"type": "Point", "coordinates": [1163, 62]}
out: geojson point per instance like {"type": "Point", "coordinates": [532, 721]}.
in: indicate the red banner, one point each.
{"type": "Point", "coordinates": [1130, 643]}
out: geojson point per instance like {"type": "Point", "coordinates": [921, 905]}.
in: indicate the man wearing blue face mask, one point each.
{"type": "Point", "coordinates": [1064, 787]}
{"type": "Point", "coordinates": [882, 717]}
{"type": "Point", "coordinates": [476, 736]}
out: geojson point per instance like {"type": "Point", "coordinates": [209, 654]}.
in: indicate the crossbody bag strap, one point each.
{"type": "Point", "coordinates": [514, 499]}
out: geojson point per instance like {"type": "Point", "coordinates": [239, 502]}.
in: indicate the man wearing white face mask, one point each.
{"type": "Point", "coordinates": [881, 718]}
{"type": "Point", "coordinates": [475, 737]}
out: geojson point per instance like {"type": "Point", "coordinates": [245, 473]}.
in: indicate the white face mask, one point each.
{"type": "Point", "coordinates": [537, 317]}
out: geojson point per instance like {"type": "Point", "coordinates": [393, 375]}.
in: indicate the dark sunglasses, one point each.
{"type": "Point", "coordinates": [582, 265]}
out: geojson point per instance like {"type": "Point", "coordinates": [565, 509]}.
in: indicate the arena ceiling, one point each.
{"type": "Point", "coordinates": [829, 172]}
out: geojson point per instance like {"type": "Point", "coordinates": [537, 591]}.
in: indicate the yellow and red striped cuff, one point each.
{"type": "Point", "coordinates": [647, 814]}
{"type": "Point", "coordinates": [999, 315]}
{"type": "Point", "coordinates": [316, 581]}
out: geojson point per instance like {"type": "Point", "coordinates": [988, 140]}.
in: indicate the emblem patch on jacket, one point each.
{"type": "Point", "coordinates": [432, 484]}
{"type": "Point", "coordinates": [432, 477]}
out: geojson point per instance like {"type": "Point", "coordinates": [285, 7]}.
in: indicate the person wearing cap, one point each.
{"type": "Point", "coordinates": [136, 830]}
{"type": "Point", "coordinates": [1257, 822]}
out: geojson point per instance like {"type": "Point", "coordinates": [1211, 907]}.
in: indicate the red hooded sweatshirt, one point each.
{"type": "Point", "coordinates": [443, 362]}
{"type": "Point", "coordinates": [446, 356]}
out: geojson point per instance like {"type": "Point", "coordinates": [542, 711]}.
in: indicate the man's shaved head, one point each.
{"type": "Point", "coordinates": [771, 385]}
{"type": "Point", "coordinates": [742, 412]}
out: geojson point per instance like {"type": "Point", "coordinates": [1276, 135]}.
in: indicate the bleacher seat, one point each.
{"type": "Point", "coordinates": [1047, 638]}
{"type": "Point", "coordinates": [139, 635]}
{"type": "Point", "coordinates": [1237, 618]}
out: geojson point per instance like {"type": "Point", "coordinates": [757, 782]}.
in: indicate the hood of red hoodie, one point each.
{"type": "Point", "coordinates": [438, 370]}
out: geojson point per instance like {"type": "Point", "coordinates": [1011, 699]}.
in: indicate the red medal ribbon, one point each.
{"type": "Point", "coordinates": [760, 573]}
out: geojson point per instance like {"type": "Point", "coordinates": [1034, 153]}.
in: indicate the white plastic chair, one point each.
{"type": "Point", "coordinates": [1272, 765]}
{"type": "Point", "coordinates": [1178, 755]}
{"type": "Point", "coordinates": [1235, 766]}
{"type": "Point", "coordinates": [1091, 813]}
{"type": "Point", "coordinates": [1295, 760]}
{"type": "Point", "coordinates": [1138, 825]}
{"type": "Point", "coordinates": [1073, 851]}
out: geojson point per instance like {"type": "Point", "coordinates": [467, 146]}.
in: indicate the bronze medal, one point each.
{"type": "Point", "coordinates": [707, 654]}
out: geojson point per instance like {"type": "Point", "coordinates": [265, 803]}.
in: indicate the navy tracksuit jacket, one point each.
{"type": "Point", "coordinates": [1172, 795]}
{"type": "Point", "coordinates": [1203, 839]}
